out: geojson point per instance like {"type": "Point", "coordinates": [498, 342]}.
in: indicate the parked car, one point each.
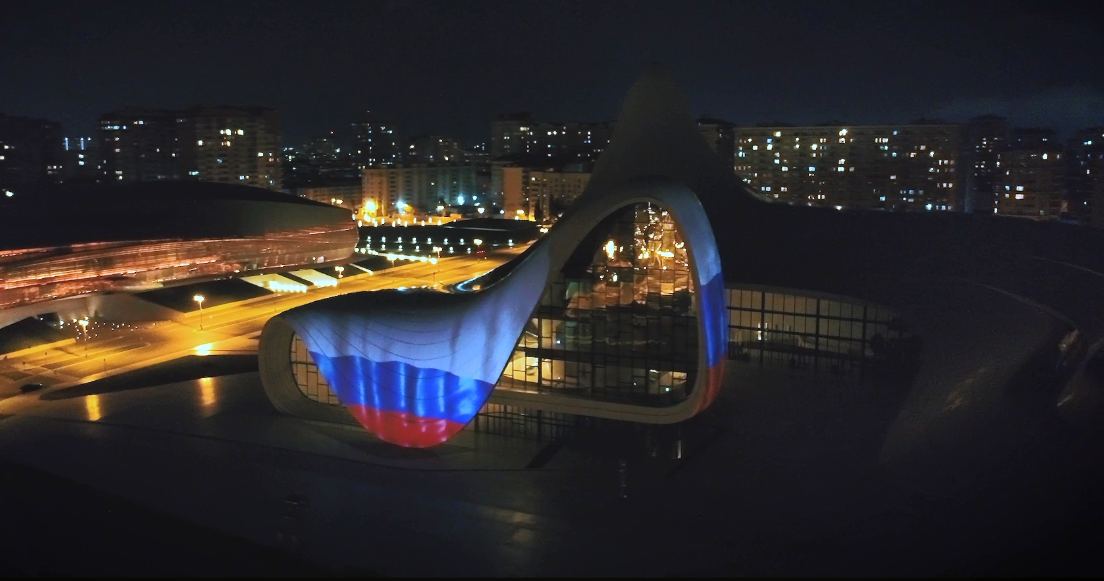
{"type": "Point", "coordinates": [29, 387]}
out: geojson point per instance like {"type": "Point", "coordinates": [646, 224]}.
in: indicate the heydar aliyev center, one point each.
{"type": "Point", "coordinates": [669, 276]}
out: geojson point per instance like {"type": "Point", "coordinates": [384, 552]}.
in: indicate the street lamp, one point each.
{"type": "Point", "coordinates": [199, 299]}
{"type": "Point", "coordinates": [339, 269]}
{"type": "Point", "coordinates": [84, 328]}
{"type": "Point", "coordinates": [436, 249]}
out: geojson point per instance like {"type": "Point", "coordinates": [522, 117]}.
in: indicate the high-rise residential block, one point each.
{"type": "Point", "coordinates": [213, 144]}
{"type": "Point", "coordinates": [550, 192]}
{"type": "Point", "coordinates": [234, 145]}
{"type": "Point", "coordinates": [1086, 169]}
{"type": "Point", "coordinates": [433, 149]}
{"type": "Point", "coordinates": [419, 187]}
{"type": "Point", "coordinates": [519, 136]}
{"type": "Point", "coordinates": [142, 145]}
{"type": "Point", "coordinates": [890, 167]}
{"type": "Point", "coordinates": [986, 137]}
{"type": "Point", "coordinates": [376, 143]}
{"type": "Point", "coordinates": [30, 154]}
{"type": "Point", "coordinates": [1031, 176]}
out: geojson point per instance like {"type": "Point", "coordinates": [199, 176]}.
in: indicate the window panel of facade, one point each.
{"type": "Point", "coordinates": [803, 331]}
{"type": "Point", "coordinates": [311, 384]}
{"type": "Point", "coordinates": [618, 323]}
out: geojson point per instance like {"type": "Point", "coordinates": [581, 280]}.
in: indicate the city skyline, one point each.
{"type": "Point", "coordinates": [804, 304]}
{"type": "Point", "coordinates": [565, 61]}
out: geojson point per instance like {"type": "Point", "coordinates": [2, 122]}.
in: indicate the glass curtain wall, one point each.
{"type": "Point", "coordinates": [618, 323]}
{"type": "Point", "coordinates": [310, 382]}
{"type": "Point", "coordinates": [813, 333]}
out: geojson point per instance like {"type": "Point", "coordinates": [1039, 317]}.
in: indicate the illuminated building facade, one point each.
{"type": "Point", "coordinates": [886, 167]}
{"type": "Point", "coordinates": [509, 188]}
{"type": "Point", "coordinates": [346, 195]}
{"type": "Point", "coordinates": [421, 186]}
{"type": "Point", "coordinates": [1031, 176]}
{"type": "Point", "coordinates": [655, 293]}
{"type": "Point", "coordinates": [552, 191]}
{"type": "Point", "coordinates": [540, 193]}
{"type": "Point", "coordinates": [160, 233]}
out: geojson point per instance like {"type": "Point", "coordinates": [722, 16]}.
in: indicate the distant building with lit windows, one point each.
{"type": "Point", "coordinates": [234, 145]}
{"type": "Point", "coordinates": [348, 195]}
{"type": "Point", "coordinates": [142, 145]}
{"type": "Point", "coordinates": [82, 160]}
{"type": "Point", "coordinates": [887, 167]}
{"type": "Point", "coordinates": [30, 153]}
{"type": "Point", "coordinates": [421, 187]}
{"type": "Point", "coordinates": [551, 192]}
{"type": "Point", "coordinates": [1086, 163]}
{"type": "Point", "coordinates": [433, 149]}
{"type": "Point", "coordinates": [986, 137]}
{"type": "Point", "coordinates": [376, 143]}
{"type": "Point", "coordinates": [1031, 176]}
{"type": "Point", "coordinates": [519, 135]}
{"type": "Point", "coordinates": [539, 193]}
{"type": "Point", "coordinates": [237, 145]}
{"type": "Point", "coordinates": [510, 134]}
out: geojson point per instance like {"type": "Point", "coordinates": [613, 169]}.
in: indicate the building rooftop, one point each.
{"type": "Point", "coordinates": [75, 214]}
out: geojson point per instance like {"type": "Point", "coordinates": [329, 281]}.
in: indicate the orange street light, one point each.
{"type": "Point", "coordinates": [199, 299]}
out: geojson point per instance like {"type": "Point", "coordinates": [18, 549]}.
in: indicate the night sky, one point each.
{"type": "Point", "coordinates": [450, 67]}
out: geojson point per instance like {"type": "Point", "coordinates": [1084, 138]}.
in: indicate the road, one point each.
{"type": "Point", "coordinates": [228, 328]}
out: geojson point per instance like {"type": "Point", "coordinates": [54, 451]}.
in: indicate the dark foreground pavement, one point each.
{"type": "Point", "coordinates": [50, 526]}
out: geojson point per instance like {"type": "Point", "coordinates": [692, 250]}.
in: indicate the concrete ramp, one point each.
{"type": "Point", "coordinates": [275, 282]}
{"type": "Point", "coordinates": [315, 277]}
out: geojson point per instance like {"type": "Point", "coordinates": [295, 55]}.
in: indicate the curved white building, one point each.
{"type": "Point", "coordinates": [668, 266]}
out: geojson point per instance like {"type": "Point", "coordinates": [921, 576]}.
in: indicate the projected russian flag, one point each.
{"type": "Point", "coordinates": [414, 367]}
